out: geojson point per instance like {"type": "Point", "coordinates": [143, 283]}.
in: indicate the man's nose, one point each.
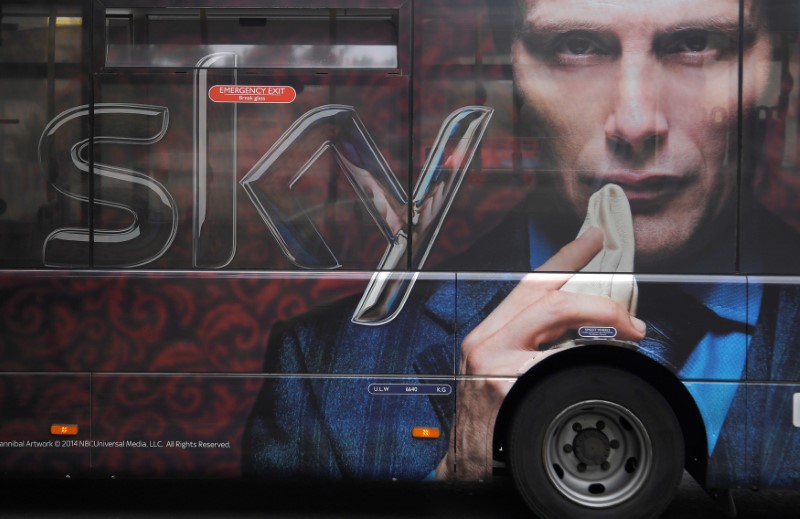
{"type": "Point", "coordinates": [637, 123]}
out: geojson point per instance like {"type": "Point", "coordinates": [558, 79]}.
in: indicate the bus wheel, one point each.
{"type": "Point", "coordinates": [596, 442]}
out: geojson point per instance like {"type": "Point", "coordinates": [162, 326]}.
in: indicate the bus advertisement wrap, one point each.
{"type": "Point", "coordinates": [554, 240]}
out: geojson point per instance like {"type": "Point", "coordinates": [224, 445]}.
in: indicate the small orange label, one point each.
{"type": "Point", "coordinates": [426, 432]}
{"type": "Point", "coordinates": [251, 94]}
{"type": "Point", "coordinates": [59, 429]}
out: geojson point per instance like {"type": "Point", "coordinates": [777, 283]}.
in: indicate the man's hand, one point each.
{"type": "Point", "coordinates": [533, 314]}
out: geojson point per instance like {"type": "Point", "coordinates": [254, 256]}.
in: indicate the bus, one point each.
{"type": "Point", "coordinates": [554, 241]}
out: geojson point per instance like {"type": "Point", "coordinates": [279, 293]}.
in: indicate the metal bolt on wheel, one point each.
{"type": "Point", "coordinates": [597, 453]}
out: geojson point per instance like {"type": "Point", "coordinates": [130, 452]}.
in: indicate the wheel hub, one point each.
{"type": "Point", "coordinates": [598, 454]}
{"type": "Point", "coordinates": [591, 446]}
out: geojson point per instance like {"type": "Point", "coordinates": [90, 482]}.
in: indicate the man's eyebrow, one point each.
{"type": "Point", "coordinates": [561, 26]}
{"type": "Point", "coordinates": [720, 25]}
{"type": "Point", "coordinates": [715, 24]}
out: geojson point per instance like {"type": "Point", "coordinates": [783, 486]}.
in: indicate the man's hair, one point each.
{"type": "Point", "coordinates": [781, 16]}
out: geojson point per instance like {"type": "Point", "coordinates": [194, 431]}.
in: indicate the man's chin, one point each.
{"type": "Point", "coordinates": [662, 252]}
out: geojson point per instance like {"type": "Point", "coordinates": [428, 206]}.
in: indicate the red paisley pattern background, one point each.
{"type": "Point", "coordinates": [171, 341]}
{"type": "Point", "coordinates": [162, 323]}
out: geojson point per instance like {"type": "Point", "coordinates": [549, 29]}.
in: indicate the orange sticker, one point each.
{"type": "Point", "coordinates": [58, 429]}
{"type": "Point", "coordinates": [430, 433]}
{"type": "Point", "coordinates": [251, 94]}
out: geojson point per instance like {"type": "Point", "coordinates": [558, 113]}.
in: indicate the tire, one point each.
{"type": "Point", "coordinates": [595, 442]}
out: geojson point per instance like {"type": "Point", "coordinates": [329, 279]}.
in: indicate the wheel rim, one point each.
{"type": "Point", "coordinates": [597, 453]}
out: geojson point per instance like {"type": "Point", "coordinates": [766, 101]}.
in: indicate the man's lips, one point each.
{"type": "Point", "coordinates": [644, 190]}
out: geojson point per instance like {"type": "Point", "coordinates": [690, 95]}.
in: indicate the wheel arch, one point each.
{"type": "Point", "coordinates": [658, 376]}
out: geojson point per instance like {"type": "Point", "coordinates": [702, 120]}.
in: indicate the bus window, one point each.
{"type": "Point", "coordinates": [264, 38]}
{"type": "Point", "coordinates": [43, 58]}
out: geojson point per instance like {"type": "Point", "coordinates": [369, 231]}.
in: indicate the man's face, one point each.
{"type": "Point", "coordinates": [644, 94]}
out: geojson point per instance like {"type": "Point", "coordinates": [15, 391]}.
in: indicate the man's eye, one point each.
{"type": "Point", "coordinates": [571, 48]}
{"type": "Point", "coordinates": [693, 43]}
{"type": "Point", "coordinates": [579, 46]}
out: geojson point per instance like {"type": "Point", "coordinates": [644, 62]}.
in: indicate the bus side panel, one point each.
{"type": "Point", "coordinates": [723, 406]}
{"type": "Point", "coordinates": [53, 321]}
{"type": "Point", "coordinates": [774, 371]}
{"type": "Point", "coordinates": [773, 436]}
{"type": "Point", "coordinates": [33, 406]}
{"type": "Point", "coordinates": [199, 338]}
{"type": "Point", "coordinates": [300, 427]}
{"type": "Point", "coordinates": [169, 425]}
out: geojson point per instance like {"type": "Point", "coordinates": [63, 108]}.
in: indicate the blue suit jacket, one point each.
{"type": "Point", "coordinates": [328, 425]}
{"type": "Point", "coordinates": [315, 421]}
